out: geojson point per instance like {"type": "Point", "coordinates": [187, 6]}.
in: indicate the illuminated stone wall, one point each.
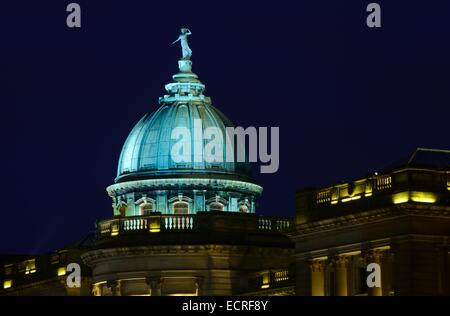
{"type": "Point", "coordinates": [399, 219]}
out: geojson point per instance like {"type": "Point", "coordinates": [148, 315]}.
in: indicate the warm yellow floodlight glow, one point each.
{"type": "Point", "coordinates": [115, 230]}
{"type": "Point", "coordinates": [7, 284]}
{"type": "Point", "coordinates": [265, 279]}
{"type": "Point", "coordinates": [30, 266]}
{"type": "Point", "coordinates": [99, 283]}
{"type": "Point", "coordinates": [61, 271]}
{"type": "Point", "coordinates": [382, 248]}
{"type": "Point", "coordinates": [356, 197]}
{"type": "Point", "coordinates": [334, 202]}
{"type": "Point", "coordinates": [402, 197]}
{"type": "Point", "coordinates": [351, 253]}
{"type": "Point", "coordinates": [414, 196]}
{"type": "Point", "coordinates": [423, 197]}
{"type": "Point", "coordinates": [155, 226]}
{"type": "Point", "coordinates": [368, 190]}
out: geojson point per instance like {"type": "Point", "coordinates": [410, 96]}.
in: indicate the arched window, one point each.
{"type": "Point", "coordinates": [243, 208]}
{"type": "Point", "coordinates": [180, 208]}
{"type": "Point", "coordinates": [216, 206]}
{"type": "Point", "coordinates": [146, 208]}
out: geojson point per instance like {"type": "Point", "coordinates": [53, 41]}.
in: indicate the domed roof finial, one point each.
{"type": "Point", "coordinates": [185, 49]}
{"type": "Point", "coordinates": [186, 85]}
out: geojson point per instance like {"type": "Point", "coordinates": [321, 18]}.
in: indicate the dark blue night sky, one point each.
{"type": "Point", "coordinates": [348, 99]}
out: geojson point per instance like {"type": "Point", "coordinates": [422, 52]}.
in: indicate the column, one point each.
{"type": "Point", "coordinates": [132, 210]}
{"type": "Point", "coordinates": [161, 202]}
{"type": "Point", "coordinates": [96, 290]}
{"type": "Point", "coordinates": [199, 284]}
{"type": "Point", "coordinates": [199, 201]}
{"type": "Point", "coordinates": [317, 267]}
{"type": "Point", "coordinates": [114, 206]}
{"type": "Point", "coordinates": [114, 285]}
{"type": "Point", "coordinates": [154, 284]}
{"type": "Point", "coordinates": [341, 270]}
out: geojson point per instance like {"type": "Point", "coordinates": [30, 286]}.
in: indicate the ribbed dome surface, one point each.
{"type": "Point", "coordinates": [147, 150]}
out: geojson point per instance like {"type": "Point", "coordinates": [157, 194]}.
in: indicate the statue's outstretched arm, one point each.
{"type": "Point", "coordinates": [176, 40]}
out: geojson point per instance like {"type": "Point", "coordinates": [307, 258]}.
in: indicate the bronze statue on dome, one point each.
{"type": "Point", "coordinates": [186, 50]}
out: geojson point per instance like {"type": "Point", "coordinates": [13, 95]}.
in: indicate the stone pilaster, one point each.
{"type": "Point", "coordinates": [114, 285]}
{"type": "Point", "coordinates": [318, 267]}
{"type": "Point", "coordinates": [200, 285]}
{"type": "Point", "coordinates": [376, 256]}
{"type": "Point", "coordinates": [199, 201]}
{"type": "Point", "coordinates": [341, 265]}
{"type": "Point", "coordinates": [161, 201]}
{"type": "Point", "coordinates": [97, 290]}
{"type": "Point", "coordinates": [154, 284]}
{"type": "Point", "coordinates": [132, 210]}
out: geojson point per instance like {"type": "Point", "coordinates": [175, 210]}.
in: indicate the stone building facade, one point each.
{"type": "Point", "coordinates": [179, 226]}
{"type": "Point", "coordinates": [190, 226]}
{"type": "Point", "coordinates": [398, 218]}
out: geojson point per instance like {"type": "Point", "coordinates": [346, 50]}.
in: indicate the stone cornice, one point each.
{"type": "Point", "coordinates": [168, 183]}
{"type": "Point", "coordinates": [401, 210]}
{"type": "Point", "coordinates": [211, 249]}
